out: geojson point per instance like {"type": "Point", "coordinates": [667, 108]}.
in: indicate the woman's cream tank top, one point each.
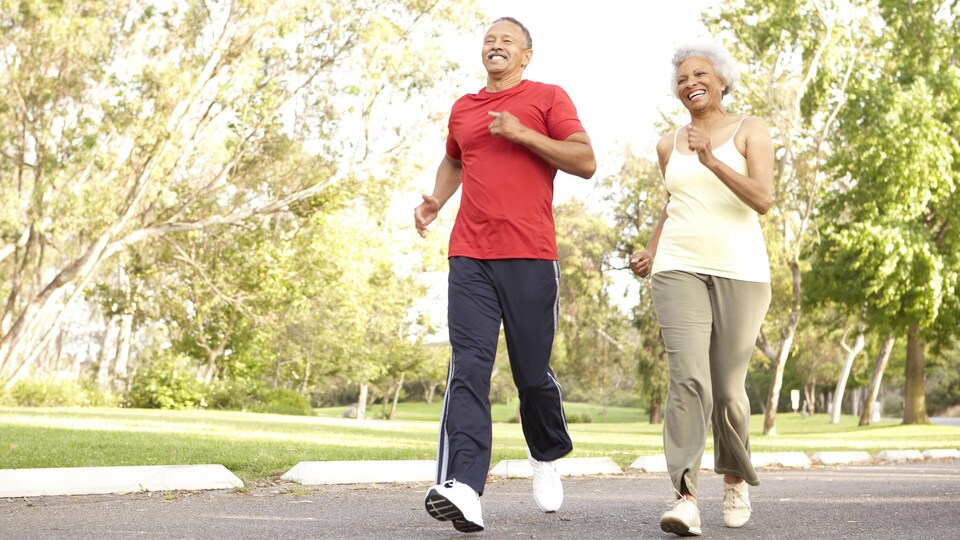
{"type": "Point", "coordinates": [708, 229]}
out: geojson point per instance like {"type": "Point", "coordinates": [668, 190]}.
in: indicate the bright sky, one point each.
{"type": "Point", "coordinates": [611, 56]}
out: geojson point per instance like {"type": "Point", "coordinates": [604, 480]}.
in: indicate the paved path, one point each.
{"type": "Point", "coordinates": [919, 500]}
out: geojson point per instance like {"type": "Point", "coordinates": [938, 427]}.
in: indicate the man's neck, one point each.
{"type": "Point", "coordinates": [506, 83]}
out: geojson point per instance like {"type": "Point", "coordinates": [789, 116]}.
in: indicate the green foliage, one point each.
{"type": "Point", "coordinates": [637, 196]}
{"type": "Point", "coordinates": [52, 392]}
{"type": "Point", "coordinates": [595, 356]}
{"type": "Point", "coordinates": [887, 245]}
{"type": "Point", "coordinates": [265, 446]}
{"type": "Point", "coordinates": [216, 146]}
{"type": "Point", "coordinates": [232, 394]}
{"type": "Point", "coordinates": [166, 382]}
{"type": "Point", "coordinates": [282, 401]}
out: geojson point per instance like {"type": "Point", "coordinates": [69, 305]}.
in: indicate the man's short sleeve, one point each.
{"type": "Point", "coordinates": [562, 120]}
{"type": "Point", "coordinates": [453, 149]}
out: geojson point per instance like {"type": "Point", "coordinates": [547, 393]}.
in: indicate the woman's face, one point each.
{"type": "Point", "coordinates": [698, 85]}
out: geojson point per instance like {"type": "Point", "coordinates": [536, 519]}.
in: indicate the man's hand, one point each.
{"type": "Point", "coordinates": [506, 125]}
{"type": "Point", "coordinates": [425, 213]}
{"type": "Point", "coordinates": [641, 262]}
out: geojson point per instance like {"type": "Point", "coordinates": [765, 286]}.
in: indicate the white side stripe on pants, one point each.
{"type": "Point", "coordinates": [443, 450]}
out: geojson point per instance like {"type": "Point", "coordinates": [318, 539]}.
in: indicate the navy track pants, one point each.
{"type": "Point", "coordinates": [524, 295]}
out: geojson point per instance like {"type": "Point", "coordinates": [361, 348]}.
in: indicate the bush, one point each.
{"type": "Point", "coordinates": [943, 390]}
{"type": "Point", "coordinates": [234, 395]}
{"type": "Point", "coordinates": [282, 401]}
{"type": "Point", "coordinates": [167, 382]}
{"type": "Point", "coordinates": [579, 418]}
{"type": "Point", "coordinates": [51, 392]}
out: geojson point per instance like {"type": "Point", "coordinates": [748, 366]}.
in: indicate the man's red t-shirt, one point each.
{"type": "Point", "coordinates": [506, 207]}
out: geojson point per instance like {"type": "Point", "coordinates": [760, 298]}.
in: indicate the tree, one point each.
{"type": "Point", "coordinates": [129, 121]}
{"type": "Point", "coordinates": [891, 220]}
{"type": "Point", "coordinates": [798, 57]}
{"type": "Point", "coordinates": [591, 330]}
{"type": "Point", "coordinates": [636, 196]}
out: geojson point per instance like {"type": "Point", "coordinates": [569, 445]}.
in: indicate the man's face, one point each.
{"type": "Point", "coordinates": [505, 49]}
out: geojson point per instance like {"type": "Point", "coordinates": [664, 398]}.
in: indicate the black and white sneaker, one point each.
{"type": "Point", "coordinates": [455, 502]}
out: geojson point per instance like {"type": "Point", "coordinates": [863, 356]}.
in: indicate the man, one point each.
{"type": "Point", "coordinates": [505, 145]}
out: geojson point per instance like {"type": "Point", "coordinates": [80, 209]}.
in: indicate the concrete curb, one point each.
{"type": "Point", "coordinates": [314, 473]}
{"type": "Point", "coordinates": [100, 480]}
{"type": "Point", "coordinates": [520, 468]}
{"type": "Point", "coordinates": [793, 460]}
{"type": "Point", "coordinates": [899, 455]}
{"type": "Point", "coordinates": [840, 458]}
{"type": "Point", "coordinates": [952, 453]}
{"type": "Point", "coordinates": [658, 463]}
{"type": "Point", "coordinates": [651, 464]}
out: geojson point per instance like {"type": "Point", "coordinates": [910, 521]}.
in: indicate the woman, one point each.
{"type": "Point", "coordinates": [711, 281]}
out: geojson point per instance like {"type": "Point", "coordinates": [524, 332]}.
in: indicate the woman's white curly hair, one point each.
{"type": "Point", "coordinates": [723, 62]}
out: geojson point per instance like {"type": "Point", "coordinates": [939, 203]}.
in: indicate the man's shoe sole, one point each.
{"type": "Point", "coordinates": [439, 507]}
{"type": "Point", "coordinates": [678, 527]}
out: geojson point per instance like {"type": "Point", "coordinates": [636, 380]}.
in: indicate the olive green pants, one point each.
{"type": "Point", "coordinates": [709, 327]}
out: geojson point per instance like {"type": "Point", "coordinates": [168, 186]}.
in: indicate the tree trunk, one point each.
{"type": "Point", "coordinates": [305, 382]}
{"type": "Point", "coordinates": [878, 367]}
{"type": "Point", "coordinates": [362, 402]}
{"type": "Point", "coordinates": [108, 353]}
{"type": "Point", "coordinates": [856, 398]}
{"type": "Point", "coordinates": [396, 396]}
{"type": "Point", "coordinates": [429, 391]}
{"type": "Point", "coordinates": [210, 369]}
{"type": "Point", "coordinates": [656, 408]}
{"type": "Point", "coordinates": [773, 396]}
{"type": "Point", "coordinates": [123, 351]}
{"type": "Point", "coordinates": [915, 388]}
{"type": "Point", "coordinates": [852, 353]}
{"type": "Point", "coordinates": [809, 399]}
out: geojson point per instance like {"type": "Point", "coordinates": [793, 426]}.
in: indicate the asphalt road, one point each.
{"type": "Point", "coordinates": [919, 500]}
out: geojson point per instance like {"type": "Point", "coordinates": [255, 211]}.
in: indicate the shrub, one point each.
{"type": "Point", "coordinates": [579, 418]}
{"type": "Point", "coordinates": [237, 394]}
{"type": "Point", "coordinates": [282, 401]}
{"type": "Point", "coordinates": [943, 389]}
{"type": "Point", "coordinates": [167, 382]}
{"type": "Point", "coordinates": [6, 400]}
{"type": "Point", "coordinates": [51, 392]}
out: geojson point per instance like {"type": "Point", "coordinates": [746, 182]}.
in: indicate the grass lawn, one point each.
{"type": "Point", "coordinates": [256, 446]}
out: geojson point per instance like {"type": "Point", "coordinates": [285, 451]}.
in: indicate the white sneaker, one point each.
{"type": "Point", "coordinates": [547, 488]}
{"type": "Point", "coordinates": [683, 519]}
{"type": "Point", "coordinates": [456, 502]}
{"type": "Point", "coordinates": [736, 504]}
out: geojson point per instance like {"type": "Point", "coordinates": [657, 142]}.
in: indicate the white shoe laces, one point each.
{"type": "Point", "coordinates": [736, 500]}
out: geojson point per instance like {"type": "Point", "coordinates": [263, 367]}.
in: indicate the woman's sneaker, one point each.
{"type": "Point", "coordinates": [736, 504]}
{"type": "Point", "coordinates": [456, 502]}
{"type": "Point", "coordinates": [683, 519]}
{"type": "Point", "coordinates": [547, 487]}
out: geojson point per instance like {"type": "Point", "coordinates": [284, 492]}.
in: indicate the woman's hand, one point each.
{"type": "Point", "coordinates": [698, 140]}
{"type": "Point", "coordinates": [641, 262]}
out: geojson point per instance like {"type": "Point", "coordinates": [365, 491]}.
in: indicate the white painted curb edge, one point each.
{"type": "Point", "coordinates": [840, 458]}
{"type": "Point", "coordinates": [101, 480]}
{"type": "Point", "coordinates": [314, 473]}
{"type": "Point", "coordinates": [520, 468]}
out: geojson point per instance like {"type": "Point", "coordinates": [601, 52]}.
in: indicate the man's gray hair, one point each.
{"type": "Point", "coordinates": [726, 66]}
{"type": "Point", "coordinates": [526, 33]}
